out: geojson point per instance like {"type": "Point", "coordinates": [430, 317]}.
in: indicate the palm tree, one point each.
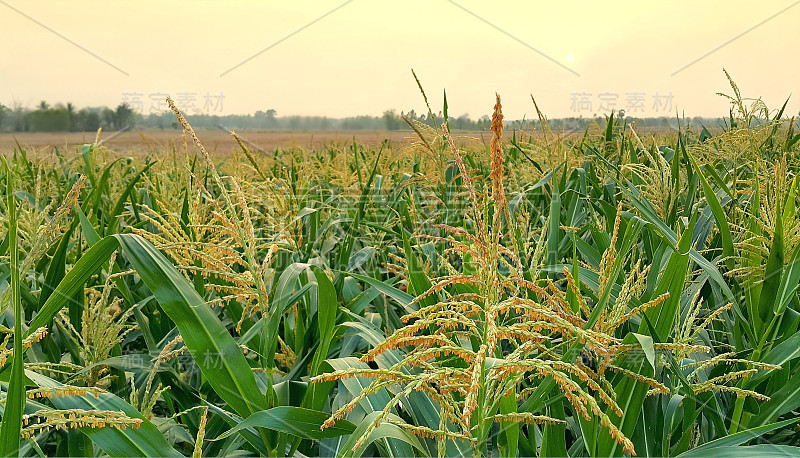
{"type": "Point", "coordinates": [71, 115]}
{"type": "Point", "coordinates": [3, 112]}
{"type": "Point", "coordinates": [125, 116]}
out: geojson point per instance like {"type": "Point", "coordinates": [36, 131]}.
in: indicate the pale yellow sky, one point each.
{"type": "Point", "coordinates": [357, 59]}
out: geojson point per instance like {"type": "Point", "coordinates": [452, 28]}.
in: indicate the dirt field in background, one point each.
{"type": "Point", "coordinates": [215, 141]}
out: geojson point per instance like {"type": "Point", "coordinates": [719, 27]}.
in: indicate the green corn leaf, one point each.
{"type": "Point", "coordinates": [295, 421]}
{"type": "Point", "coordinates": [719, 215]}
{"type": "Point", "coordinates": [15, 398]}
{"type": "Point", "coordinates": [57, 268]}
{"type": "Point", "coordinates": [418, 281]}
{"type": "Point", "coordinates": [89, 231]}
{"type": "Point", "coordinates": [555, 221]}
{"type": "Point", "coordinates": [510, 430]}
{"type": "Point", "coordinates": [666, 233]}
{"type": "Point", "coordinates": [346, 247]}
{"type": "Point", "coordinates": [779, 355]}
{"type": "Point", "coordinates": [86, 152]}
{"type": "Point", "coordinates": [102, 186]}
{"type": "Point", "coordinates": [631, 393]}
{"type": "Point", "coordinates": [554, 441]}
{"type": "Point", "coordinates": [91, 261]}
{"type": "Point", "coordinates": [327, 306]}
{"type": "Point", "coordinates": [117, 210]}
{"type": "Point", "coordinates": [216, 353]}
{"type": "Point", "coordinates": [146, 440]}
{"type": "Point", "coordinates": [648, 347]}
{"type": "Point", "coordinates": [736, 439]}
{"type": "Point", "coordinates": [283, 292]}
{"type": "Point", "coordinates": [672, 282]}
{"type": "Point", "coordinates": [772, 275]}
{"type": "Point", "coordinates": [384, 431]}
{"type": "Point", "coordinates": [789, 283]}
{"type": "Point", "coordinates": [784, 400]}
{"type": "Point", "coordinates": [373, 405]}
{"type": "Point", "coordinates": [401, 297]}
{"type": "Point", "coordinates": [751, 451]}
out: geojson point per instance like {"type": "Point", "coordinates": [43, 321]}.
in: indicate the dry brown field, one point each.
{"type": "Point", "coordinates": [218, 141]}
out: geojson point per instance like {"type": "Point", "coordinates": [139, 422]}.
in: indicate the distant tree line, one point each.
{"type": "Point", "coordinates": [66, 118]}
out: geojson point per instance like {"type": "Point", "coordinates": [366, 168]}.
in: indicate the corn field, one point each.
{"type": "Point", "coordinates": [599, 294]}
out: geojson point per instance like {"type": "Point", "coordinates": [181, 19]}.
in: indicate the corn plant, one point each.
{"type": "Point", "coordinates": [545, 294]}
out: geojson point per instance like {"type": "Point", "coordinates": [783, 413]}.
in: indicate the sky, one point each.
{"type": "Point", "coordinates": [341, 58]}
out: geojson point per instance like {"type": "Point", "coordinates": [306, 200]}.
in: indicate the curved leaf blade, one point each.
{"type": "Point", "coordinates": [146, 440]}
{"type": "Point", "coordinates": [214, 350]}
{"type": "Point", "coordinates": [296, 421]}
